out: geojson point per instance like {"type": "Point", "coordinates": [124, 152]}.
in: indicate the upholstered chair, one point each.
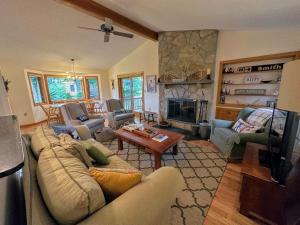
{"type": "Point", "coordinates": [117, 115]}
{"type": "Point", "coordinates": [73, 111]}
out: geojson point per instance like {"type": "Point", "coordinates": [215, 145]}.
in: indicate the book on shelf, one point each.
{"type": "Point", "coordinates": [160, 138]}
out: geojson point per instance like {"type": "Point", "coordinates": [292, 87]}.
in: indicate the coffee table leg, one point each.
{"type": "Point", "coordinates": [175, 149]}
{"type": "Point", "coordinates": [120, 144]}
{"type": "Point", "coordinates": [157, 159]}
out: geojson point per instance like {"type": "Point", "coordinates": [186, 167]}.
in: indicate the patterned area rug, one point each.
{"type": "Point", "coordinates": [201, 167]}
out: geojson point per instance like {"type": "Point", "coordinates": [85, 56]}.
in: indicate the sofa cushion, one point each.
{"type": "Point", "coordinates": [93, 123]}
{"type": "Point", "coordinates": [117, 162]}
{"type": "Point", "coordinates": [124, 116]}
{"type": "Point", "coordinates": [260, 117]}
{"type": "Point", "coordinates": [75, 148]}
{"type": "Point", "coordinates": [42, 138]}
{"type": "Point", "coordinates": [68, 190]}
{"type": "Point", "coordinates": [115, 182]}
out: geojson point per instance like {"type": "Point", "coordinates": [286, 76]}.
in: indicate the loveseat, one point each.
{"type": "Point", "coordinates": [231, 143]}
{"type": "Point", "coordinates": [52, 177]}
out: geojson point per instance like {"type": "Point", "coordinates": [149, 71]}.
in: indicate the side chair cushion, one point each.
{"type": "Point", "coordinates": [93, 122]}
{"type": "Point", "coordinates": [124, 116]}
{"type": "Point", "coordinates": [68, 190]}
{"type": "Point", "coordinates": [43, 137]}
{"type": "Point", "coordinates": [75, 110]}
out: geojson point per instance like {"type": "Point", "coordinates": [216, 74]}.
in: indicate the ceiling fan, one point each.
{"type": "Point", "coordinates": [108, 29]}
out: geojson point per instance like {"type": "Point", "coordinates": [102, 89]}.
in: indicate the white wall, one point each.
{"type": "Point", "coordinates": [144, 58]}
{"type": "Point", "coordinates": [241, 44]}
{"type": "Point", "coordinates": [19, 92]}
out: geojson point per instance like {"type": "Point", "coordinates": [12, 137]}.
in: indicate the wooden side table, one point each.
{"type": "Point", "coordinates": [260, 197]}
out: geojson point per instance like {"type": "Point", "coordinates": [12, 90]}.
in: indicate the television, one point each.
{"type": "Point", "coordinates": [283, 153]}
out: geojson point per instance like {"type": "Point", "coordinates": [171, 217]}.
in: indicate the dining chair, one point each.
{"type": "Point", "coordinates": [52, 113]}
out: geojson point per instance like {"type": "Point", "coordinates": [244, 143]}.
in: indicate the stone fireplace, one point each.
{"type": "Point", "coordinates": [182, 55]}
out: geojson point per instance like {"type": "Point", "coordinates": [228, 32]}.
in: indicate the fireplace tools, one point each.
{"type": "Point", "coordinates": [203, 112]}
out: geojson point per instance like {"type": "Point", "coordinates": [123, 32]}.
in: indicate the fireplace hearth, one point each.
{"type": "Point", "coordinates": [182, 109]}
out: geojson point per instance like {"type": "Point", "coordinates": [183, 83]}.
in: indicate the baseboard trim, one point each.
{"type": "Point", "coordinates": [32, 124]}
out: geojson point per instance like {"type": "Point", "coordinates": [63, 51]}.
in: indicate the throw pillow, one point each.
{"type": "Point", "coordinates": [97, 155]}
{"type": "Point", "coordinates": [243, 127]}
{"type": "Point", "coordinates": [75, 148]}
{"type": "Point", "coordinates": [82, 118]}
{"type": "Point", "coordinates": [115, 182]}
{"type": "Point", "coordinates": [100, 147]}
{"type": "Point", "coordinates": [260, 117]}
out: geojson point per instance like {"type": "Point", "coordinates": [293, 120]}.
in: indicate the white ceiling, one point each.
{"type": "Point", "coordinates": [45, 31]}
{"type": "Point", "coordinates": [168, 15]}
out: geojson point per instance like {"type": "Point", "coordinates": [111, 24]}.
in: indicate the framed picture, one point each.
{"type": "Point", "coordinates": [151, 83]}
{"type": "Point", "coordinates": [112, 84]}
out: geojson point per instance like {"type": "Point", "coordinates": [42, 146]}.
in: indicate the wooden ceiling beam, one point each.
{"type": "Point", "coordinates": [99, 11]}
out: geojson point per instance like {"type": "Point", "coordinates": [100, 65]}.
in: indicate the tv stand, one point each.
{"type": "Point", "coordinates": [260, 197]}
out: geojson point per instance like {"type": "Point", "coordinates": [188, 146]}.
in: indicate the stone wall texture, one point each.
{"type": "Point", "coordinates": [182, 54]}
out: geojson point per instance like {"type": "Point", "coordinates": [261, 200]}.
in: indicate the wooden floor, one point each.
{"type": "Point", "coordinates": [224, 209]}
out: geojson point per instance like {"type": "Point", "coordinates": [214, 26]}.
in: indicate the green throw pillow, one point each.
{"type": "Point", "coordinates": [98, 156]}
{"type": "Point", "coordinates": [86, 144]}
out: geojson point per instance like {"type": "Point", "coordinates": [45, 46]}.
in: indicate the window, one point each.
{"type": "Point", "coordinates": [92, 87]}
{"type": "Point", "coordinates": [131, 91]}
{"type": "Point", "coordinates": [37, 90]}
{"type": "Point", "coordinates": [61, 88]}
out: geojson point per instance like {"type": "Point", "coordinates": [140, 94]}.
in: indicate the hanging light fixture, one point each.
{"type": "Point", "coordinates": [73, 75]}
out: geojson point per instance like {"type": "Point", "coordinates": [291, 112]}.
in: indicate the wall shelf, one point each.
{"type": "Point", "coordinates": [226, 107]}
{"type": "Point", "coordinates": [186, 82]}
{"type": "Point", "coordinates": [253, 83]}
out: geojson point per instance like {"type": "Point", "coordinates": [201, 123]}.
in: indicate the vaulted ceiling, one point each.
{"type": "Point", "coordinates": [168, 15]}
{"type": "Point", "coordinates": [46, 31]}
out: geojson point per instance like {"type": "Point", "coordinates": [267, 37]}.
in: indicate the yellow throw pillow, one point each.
{"type": "Point", "coordinates": [115, 182]}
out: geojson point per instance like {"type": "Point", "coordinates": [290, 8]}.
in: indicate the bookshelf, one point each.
{"type": "Point", "coordinates": [252, 82]}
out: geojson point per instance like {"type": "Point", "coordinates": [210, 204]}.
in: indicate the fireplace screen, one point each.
{"type": "Point", "coordinates": [182, 109]}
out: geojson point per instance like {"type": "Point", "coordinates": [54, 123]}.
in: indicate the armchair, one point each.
{"type": "Point", "coordinates": [117, 116]}
{"type": "Point", "coordinates": [72, 111]}
{"type": "Point", "coordinates": [231, 143]}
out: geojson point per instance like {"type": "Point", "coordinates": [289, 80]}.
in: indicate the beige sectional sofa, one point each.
{"type": "Point", "coordinates": [59, 190]}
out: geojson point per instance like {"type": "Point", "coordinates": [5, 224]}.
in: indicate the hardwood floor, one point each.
{"type": "Point", "coordinates": [224, 209]}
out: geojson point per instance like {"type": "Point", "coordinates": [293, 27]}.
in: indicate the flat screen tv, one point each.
{"type": "Point", "coordinates": [283, 153]}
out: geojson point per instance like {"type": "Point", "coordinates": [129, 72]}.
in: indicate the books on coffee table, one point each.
{"type": "Point", "coordinates": [160, 137]}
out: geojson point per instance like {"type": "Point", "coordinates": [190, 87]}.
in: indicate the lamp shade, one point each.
{"type": "Point", "coordinates": [289, 91]}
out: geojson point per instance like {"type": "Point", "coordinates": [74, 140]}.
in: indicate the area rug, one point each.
{"type": "Point", "coordinates": [201, 167]}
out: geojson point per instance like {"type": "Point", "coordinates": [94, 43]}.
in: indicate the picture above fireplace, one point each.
{"type": "Point", "coordinates": [181, 109]}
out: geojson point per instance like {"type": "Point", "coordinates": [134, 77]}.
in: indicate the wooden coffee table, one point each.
{"type": "Point", "coordinates": [149, 145]}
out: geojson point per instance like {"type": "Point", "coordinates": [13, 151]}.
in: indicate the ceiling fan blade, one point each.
{"type": "Point", "coordinates": [123, 34]}
{"type": "Point", "coordinates": [108, 23]}
{"type": "Point", "coordinates": [88, 28]}
{"type": "Point", "coordinates": [106, 37]}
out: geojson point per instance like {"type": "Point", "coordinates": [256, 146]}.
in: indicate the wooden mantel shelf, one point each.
{"type": "Point", "coordinates": [187, 82]}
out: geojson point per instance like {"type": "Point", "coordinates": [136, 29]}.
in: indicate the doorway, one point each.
{"type": "Point", "coordinates": [131, 90]}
